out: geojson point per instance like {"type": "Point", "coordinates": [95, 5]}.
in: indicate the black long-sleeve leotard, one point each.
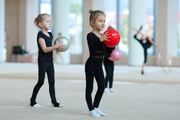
{"type": "Point", "coordinates": [93, 69]}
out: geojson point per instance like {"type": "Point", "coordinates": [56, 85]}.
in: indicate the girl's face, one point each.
{"type": "Point", "coordinates": [46, 24]}
{"type": "Point", "coordinates": [99, 23]}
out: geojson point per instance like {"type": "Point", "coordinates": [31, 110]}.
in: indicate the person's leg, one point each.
{"type": "Point", "coordinates": [56, 55]}
{"type": "Point", "coordinates": [100, 83]}
{"type": "Point", "coordinates": [145, 60]}
{"type": "Point", "coordinates": [41, 75]}
{"type": "Point", "coordinates": [89, 73]}
{"type": "Point", "coordinates": [51, 81]}
{"type": "Point", "coordinates": [111, 74]}
{"type": "Point", "coordinates": [139, 30]}
{"type": "Point", "coordinates": [62, 59]}
{"type": "Point", "coordinates": [107, 69]}
{"type": "Point", "coordinates": [111, 78]}
{"type": "Point", "coordinates": [143, 65]}
{"type": "Point", "coordinates": [135, 36]}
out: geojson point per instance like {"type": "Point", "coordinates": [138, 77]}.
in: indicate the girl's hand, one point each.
{"type": "Point", "coordinates": [104, 37]}
{"type": "Point", "coordinates": [111, 59]}
{"type": "Point", "coordinates": [59, 44]}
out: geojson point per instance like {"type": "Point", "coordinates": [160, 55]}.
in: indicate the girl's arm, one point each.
{"type": "Point", "coordinates": [138, 31]}
{"type": "Point", "coordinates": [151, 41]}
{"type": "Point", "coordinates": [48, 49]}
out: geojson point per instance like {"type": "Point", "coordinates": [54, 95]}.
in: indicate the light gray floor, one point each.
{"type": "Point", "coordinates": [154, 96]}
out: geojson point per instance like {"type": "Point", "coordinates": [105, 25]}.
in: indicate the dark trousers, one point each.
{"type": "Point", "coordinates": [145, 54]}
{"type": "Point", "coordinates": [109, 68]}
{"type": "Point", "coordinates": [145, 46]}
{"type": "Point", "coordinates": [45, 67]}
{"type": "Point", "coordinates": [93, 69]}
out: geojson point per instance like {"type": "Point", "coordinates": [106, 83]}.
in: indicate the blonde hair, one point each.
{"type": "Point", "coordinates": [40, 18]}
{"type": "Point", "coordinates": [94, 14]}
{"type": "Point", "coordinates": [110, 27]}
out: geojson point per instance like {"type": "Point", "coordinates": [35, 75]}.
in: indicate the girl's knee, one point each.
{"type": "Point", "coordinates": [101, 88]}
{"type": "Point", "coordinates": [51, 83]}
{"type": "Point", "coordinates": [40, 83]}
{"type": "Point", "coordinates": [89, 89]}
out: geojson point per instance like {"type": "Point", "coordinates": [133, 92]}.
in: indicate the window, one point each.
{"type": "Point", "coordinates": [150, 21]}
{"type": "Point", "coordinates": [110, 11]}
{"type": "Point", "coordinates": [45, 6]}
{"type": "Point", "coordinates": [178, 28]}
{"type": "Point", "coordinates": [123, 26]}
{"type": "Point", "coordinates": [76, 24]}
{"type": "Point", "coordinates": [117, 12]}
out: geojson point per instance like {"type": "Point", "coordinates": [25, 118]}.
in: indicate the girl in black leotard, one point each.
{"type": "Point", "coordinates": [45, 59]}
{"type": "Point", "coordinates": [109, 68]}
{"type": "Point", "coordinates": [93, 65]}
{"type": "Point", "coordinates": [146, 41]}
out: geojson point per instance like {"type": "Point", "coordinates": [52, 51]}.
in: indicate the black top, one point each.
{"type": "Point", "coordinates": [145, 43]}
{"type": "Point", "coordinates": [48, 41]}
{"type": "Point", "coordinates": [96, 47]}
{"type": "Point", "coordinates": [108, 52]}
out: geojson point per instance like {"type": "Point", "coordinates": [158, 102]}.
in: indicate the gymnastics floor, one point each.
{"type": "Point", "coordinates": [153, 96]}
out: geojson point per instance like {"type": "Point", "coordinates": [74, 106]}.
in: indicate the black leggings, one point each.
{"type": "Point", "coordinates": [145, 46]}
{"type": "Point", "coordinates": [93, 68]}
{"type": "Point", "coordinates": [45, 66]}
{"type": "Point", "coordinates": [145, 54]}
{"type": "Point", "coordinates": [109, 68]}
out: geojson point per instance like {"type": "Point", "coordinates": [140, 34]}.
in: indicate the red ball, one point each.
{"type": "Point", "coordinates": [114, 38]}
{"type": "Point", "coordinates": [116, 55]}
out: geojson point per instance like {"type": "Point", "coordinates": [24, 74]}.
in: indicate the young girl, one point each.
{"type": "Point", "coordinates": [109, 68]}
{"type": "Point", "coordinates": [93, 65]}
{"type": "Point", "coordinates": [45, 59]}
{"type": "Point", "coordinates": [146, 41]}
{"type": "Point", "coordinates": [58, 53]}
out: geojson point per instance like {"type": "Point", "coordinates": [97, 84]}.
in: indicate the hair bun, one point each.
{"type": "Point", "coordinates": [91, 11]}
